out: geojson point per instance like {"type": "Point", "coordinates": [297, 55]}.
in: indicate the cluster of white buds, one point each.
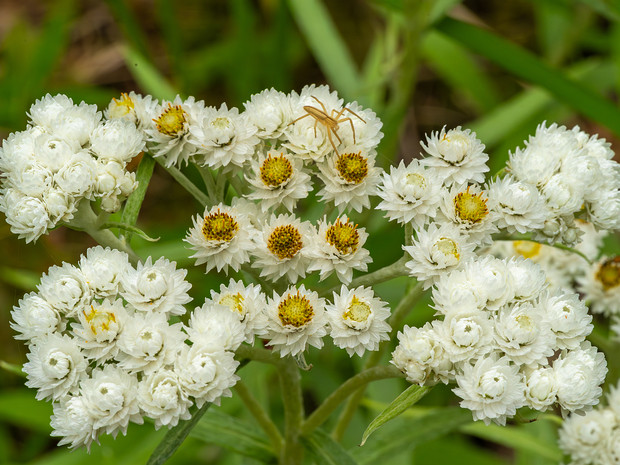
{"type": "Point", "coordinates": [506, 340]}
{"type": "Point", "coordinates": [68, 153]}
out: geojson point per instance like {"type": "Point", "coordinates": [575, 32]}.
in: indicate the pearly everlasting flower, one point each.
{"type": "Point", "coordinates": [585, 436]}
{"type": "Point", "coordinates": [457, 155]}
{"type": "Point", "coordinates": [65, 289]}
{"type": "Point", "coordinates": [205, 374]}
{"type": "Point", "coordinates": [117, 140]}
{"type": "Point", "coordinates": [156, 287]}
{"type": "Point", "coordinates": [148, 343]}
{"type": "Point", "coordinates": [465, 335]}
{"type": "Point", "coordinates": [436, 251]}
{"type": "Point", "coordinates": [296, 320]}
{"type": "Point", "coordinates": [27, 216]}
{"type": "Point", "coordinates": [247, 303]}
{"type": "Point", "coordinates": [421, 356]}
{"type": "Point", "coordinates": [103, 270]}
{"type": "Point", "coordinates": [281, 248]}
{"type": "Point", "coordinates": [99, 328]}
{"type": "Point", "coordinates": [134, 108]}
{"type": "Point", "coordinates": [161, 397]}
{"type": "Point", "coordinates": [568, 317]}
{"type": "Point", "coordinates": [410, 193]}
{"type": "Point", "coordinates": [528, 279]}
{"type": "Point", "coordinates": [221, 238]}
{"type": "Point", "coordinates": [349, 178]}
{"type": "Point", "coordinates": [494, 279]}
{"type": "Point", "coordinates": [214, 327]}
{"type": "Point", "coordinates": [541, 388]}
{"type": "Point", "coordinates": [34, 318]}
{"type": "Point", "coordinates": [338, 246]}
{"type": "Point", "coordinates": [270, 111]}
{"type": "Point", "coordinates": [278, 179]}
{"type": "Point", "coordinates": [492, 388]}
{"type": "Point", "coordinates": [73, 423]}
{"type": "Point", "coordinates": [110, 394]}
{"type": "Point", "coordinates": [601, 286]}
{"type": "Point", "coordinates": [55, 366]}
{"type": "Point", "coordinates": [357, 320]}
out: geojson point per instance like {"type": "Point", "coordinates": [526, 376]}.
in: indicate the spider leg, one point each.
{"type": "Point", "coordinates": [329, 136]}
{"type": "Point", "coordinates": [316, 121]}
{"type": "Point", "coordinates": [336, 134]}
{"type": "Point", "coordinates": [352, 127]}
{"type": "Point", "coordinates": [338, 113]}
{"type": "Point", "coordinates": [353, 113]}
{"type": "Point", "coordinates": [301, 117]}
{"type": "Point", "coordinates": [320, 103]}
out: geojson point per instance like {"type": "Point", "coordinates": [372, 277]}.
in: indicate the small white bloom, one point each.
{"type": "Point", "coordinates": [103, 268]}
{"type": "Point", "coordinates": [528, 278]}
{"type": "Point", "coordinates": [584, 437]}
{"type": "Point", "coordinates": [33, 318]}
{"type": "Point", "coordinates": [60, 206]}
{"type": "Point", "coordinates": [357, 320]}
{"type": "Point", "coordinates": [113, 180]}
{"type": "Point", "coordinates": [117, 140]}
{"type": "Point", "coordinates": [568, 317]}
{"type": "Point", "coordinates": [465, 334]}
{"type": "Point", "coordinates": [65, 288]}
{"type": "Point", "coordinates": [601, 286]}
{"type": "Point", "coordinates": [134, 108]}
{"type": "Point", "coordinates": [214, 327]}
{"type": "Point", "coordinates": [296, 320]}
{"type": "Point", "coordinates": [45, 110]}
{"type": "Point", "coordinates": [270, 112]}
{"type": "Point", "coordinates": [77, 177]}
{"type": "Point", "coordinates": [73, 423]}
{"type": "Point", "coordinates": [492, 277]}
{"type": "Point", "coordinates": [27, 216]}
{"type": "Point", "coordinates": [162, 398]}
{"type": "Point", "coordinates": [541, 388]}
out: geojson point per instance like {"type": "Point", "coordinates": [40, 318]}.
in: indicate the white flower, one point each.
{"type": "Point", "coordinates": [30, 177]}
{"type": "Point", "coordinates": [77, 177]}
{"type": "Point", "coordinates": [493, 278]}
{"type": "Point", "coordinates": [410, 193]}
{"type": "Point", "coordinates": [465, 334]}
{"type": "Point", "coordinates": [65, 288]}
{"type": "Point", "coordinates": [527, 277]}
{"type": "Point", "coordinates": [156, 287]}
{"type": "Point", "coordinates": [270, 112]}
{"type": "Point", "coordinates": [613, 400]}
{"type": "Point", "coordinates": [421, 356]}
{"type": "Point", "coordinates": [162, 398]}
{"type": "Point", "coordinates": [604, 213]}
{"type": "Point", "coordinates": [224, 136]}
{"type": "Point", "coordinates": [73, 422]}
{"type": "Point", "coordinates": [60, 206]}
{"type": "Point", "coordinates": [55, 366]}
{"type": "Point", "coordinates": [103, 268]}
{"type": "Point", "coordinates": [113, 180]}
{"type": "Point", "coordinates": [117, 140]}
{"type": "Point", "coordinates": [601, 286]}
{"type": "Point", "coordinates": [27, 216]}
{"type": "Point", "coordinates": [492, 389]}
{"type": "Point", "coordinates": [99, 328]}
{"type": "Point", "coordinates": [350, 178]}
{"type": "Point", "coordinates": [518, 205]}
{"type": "Point", "coordinates": [296, 320]}
{"type": "Point", "coordinates": [456, 290]}
{"type": "Point", "coordinates": [568, 317]}
{"type": "Point", "coordinates": [110, 395]}
{"type": "Point", "coordinates": [45, 110]}
{"type": "Point", "coordinates": [221, 238]}
{"type": "Point", "coordinates": [541, 388]}
{"type": "Point", "coordinates": [206, 375]}
{"type": "Point", "coordinates": [214, 327]}
{"type": "Point", "coordinates": [457, 155]}
{"type": "Point", "coordinates": [437, 251]}
{"type": "Point", "coordinates": [278, 179]}
{"type": "Point", "coordinates": [247, 303]}
{"type": "Point", "coordinates": [338, 246]}
{"type": "Point", "coordinates": [584, 437]}
{"type": "Point", "coordinates": [357, 320]}
{"type": "Point", "coordinates": [134, 108]}
{"type": "Point", "coordinates": [33, 317]}
{"type": "Point", "coordinates": [580, 372]}
{"type": "Point", "coordinates": [147, 343]}
{"type": "Point", "coordinates": [281, 248]}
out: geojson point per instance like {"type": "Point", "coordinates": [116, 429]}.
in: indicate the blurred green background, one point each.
{"type": "Point", "coordinates": [497, 67]}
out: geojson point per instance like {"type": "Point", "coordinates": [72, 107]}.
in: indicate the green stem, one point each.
{"type": "Point", "coordinates": [408, 233]}
{"type": "Point", "coordinates": [185, 182]}
{"type": "Point", "coordinates": [261, 416]}
{"type": "Point", "coordinates": [258, 354]}
{"type": "Point", "coordinates": [207, 178]}
{"type": "Point", "coordinates": [528, 237]}
{"type": "Point", "coordinates": [132, 207]}
{"type": "Point", "coordinates": [12, 368]}
{"type": "Point", "coordinates": [237, 184]}
{"type": "Point", "coordinates": [350, 386]}
{"type": "Point", "coordinates": [220, 187]}
{"type": "Point", "coordinates": [290, 383]}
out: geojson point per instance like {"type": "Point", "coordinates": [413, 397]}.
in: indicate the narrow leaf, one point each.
{"type": "Point", "coordinates": [147, 76]}
{"type": "Point", "coordinates": [409, 397]}
{"type": "Point", "coordinates": [233, 434]}
{"type": "Point", "coordinates": [130, 228]}
{"type": "Point", "coordinates": [12, 368]}
{"type": "Point", "coordinates": [326, 451]}
{"type": "Point", "coordinates": [134, 202]}
{"type": "Point", "coordinates": [175, 437]}
{"type": "Point", "coordinates": [19, 407]}
{"type": "Point", "coordinates": [22, 279]}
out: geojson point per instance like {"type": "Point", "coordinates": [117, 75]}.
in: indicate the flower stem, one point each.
{"type": "Point", "coordinates": [257, 354]}
{"type": "Point", "coordinates": [528, 237]}
{"type": "Point", "coordinates": [350, 386]}
{"type": "Point", "coordinates": [185, 182]}
{"type": "Point", "coordinates": [290, 383]}
{"type": "Point", "coordinates": [12, 368]}
{"type": "Point", "coordinates": [261, 416]}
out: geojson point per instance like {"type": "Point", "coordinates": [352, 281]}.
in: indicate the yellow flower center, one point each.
{"type": "Point", "coordinates": [527, 249]}
{"type": "Point", "coordinates": [172, 121]}
{"type": "Point", "coordinates": [343, 236]}
{"type": "Point", "coordinates": [219, 227]}
{"type": "Point", "coordinates": [608, 273]}
{"type": "Point", "coordinates": [285, 241]}
{"type": "Point", "coordinates": [357, 311]}
{"type": "Point", "coordinates": [447, 247]}
{"type": "Point", "coordinates": [525, 322]}
{"type": "Point", "coordinates": [99, 319]}
{"type": "Point", "coordinates": [295, 311]}
{"type": "Point", "coordinates": [352, 167]}
{"type": "Point", "coordinates": [221, 123]}
{"type": "Point", "coordinates": [470, 208]}
{"type": "Point", "coordinates": [416, 179]}
{"type": "Point", "coordinates": [275, 171]}
{"type": "Point", "coordinates": [233, 301]}
{"type": "Point", "coordinates": [122, 106]}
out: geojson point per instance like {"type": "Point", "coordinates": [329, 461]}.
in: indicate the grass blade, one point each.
{"type": "Point", "coordinates": [326, 451]}
{"type": "Point", "coordinates": [147, 76]}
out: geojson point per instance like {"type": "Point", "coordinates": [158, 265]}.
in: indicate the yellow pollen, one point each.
{"type": "Point", "coordinates": [447, 247]}
{"type": "Point", "coordinates": [99, 320]}
{"type": "Point", "coordinates": [343, 236]}
{"type": "Point", "coordinates": [220, 123]}
{"type": "Point", "coordinates": [357, 311]}
{"type": "Point", "coordinates": [275, 171]}
{"type": "Point", "coordinates": [285, 241]}
{"type": "Point", "coordinates": [295, 311]}
{"type": "Point", "coordinates": [527, 249]}
{"type": "Point", "coordinates": [471, 208]}
{"type": "Point", "coordinates": [608, 273]}
{"type": "Point", "coordinates": [525, 322]}
{"type": "Point", "coordinates": [233, 301]}
{"type": "Point", "coordinates": [352, 167]}
{"type": "Point", "coordinates": [172, 121]}
{"type": "Point", "coordinates": [416, 179]}
{"type": "Point", "coordinates": [123, 106]}
{"type": "Point", "coordinates": [219, 227]}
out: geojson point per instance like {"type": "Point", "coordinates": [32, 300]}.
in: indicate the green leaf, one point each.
{"type": "Point", "coordinates": [147, 76]}
{"type": "Point", "coordinates": [524, 65]}
{"type": "Point", "coordinates": [134, 202]}
{"type": "Point", "coordinates": [409, 397]}
{"type": "Point", "coordinates": [327, 46]}
{"type": "Point", "coordinates": [19, 407]}
{"type": "Point", "coordinates": [233, 434]}
{"type": "Point", "coordinates": [175, 437]}
{"type": "Point", "coordinates": [515, 437]}
{"type": "Point", "coordinates": [131, 229]}
{"type": "Point", "coordinates": [325, 450]}
{"type": "Point", "coordinates": [129, 25]}
{"type": "Point", "coordinates": [405, 433]}
{"type": "Point", "coordinates": [12, 368]}
{"type": "Point", "coordinates": [22, 279]}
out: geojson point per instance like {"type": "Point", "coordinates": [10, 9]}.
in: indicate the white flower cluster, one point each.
{"type": "Point", "coordinates": [506, 340]}
{"type": "Point", "coordinates": [103, 350]}
{"type": "Point", "coordinates": [67, 153]}
{"type": "Point", "coordinates": [594, 437]}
